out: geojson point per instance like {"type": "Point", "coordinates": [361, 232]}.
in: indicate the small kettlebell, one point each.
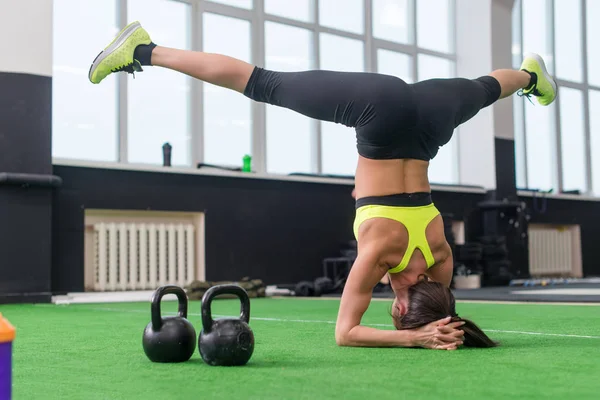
{"type": "Point", "coordinates": [169, 339]}
{"type": "Point", "coordinates": [226, 341]}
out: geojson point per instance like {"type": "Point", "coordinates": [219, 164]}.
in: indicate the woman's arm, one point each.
{"type": "Point", "coordinates": [442, 272]}
{"type": "Point", "coordinates": [363, 277]}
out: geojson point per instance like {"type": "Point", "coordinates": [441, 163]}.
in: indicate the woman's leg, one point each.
{"type": "Point", "coordinates": [217, 69]}
{"type": "Point", "coordinates": [511, 81]}
{"type": "Point", "coordinates": [342, 97]}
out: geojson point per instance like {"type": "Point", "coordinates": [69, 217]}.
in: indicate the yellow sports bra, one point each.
{"type": "Point", "coordinates": [415, 219]}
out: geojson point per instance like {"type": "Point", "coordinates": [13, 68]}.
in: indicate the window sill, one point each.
{"type": "Point", "coordinates": [557, 196]}
{"type": "Point", "coordinates": [207, 171]}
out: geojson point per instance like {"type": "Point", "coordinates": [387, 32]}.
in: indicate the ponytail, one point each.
{"type": "Point", "coordinates": [474, 336]}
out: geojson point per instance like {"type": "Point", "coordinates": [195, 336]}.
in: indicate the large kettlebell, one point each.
{"type": "Point", "coordinates": [169, 339]}
{"type": "Point", "coordinates": [226, 341]}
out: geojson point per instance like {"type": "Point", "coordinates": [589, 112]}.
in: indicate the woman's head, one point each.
{"type": "Point", "coordinates": [431, 301]}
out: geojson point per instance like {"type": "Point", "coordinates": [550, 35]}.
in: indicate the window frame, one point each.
{"type": "Point", "coordinates": [584, 86]}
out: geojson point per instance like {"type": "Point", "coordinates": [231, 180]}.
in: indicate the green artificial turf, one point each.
{"type": "Point", "coordinates": [94, 351]}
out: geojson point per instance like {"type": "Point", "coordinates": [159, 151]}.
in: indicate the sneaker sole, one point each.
{"type": "Point", "coordinates": [116, 43]}
{"type": "Point", "coordinates": [549, 78]}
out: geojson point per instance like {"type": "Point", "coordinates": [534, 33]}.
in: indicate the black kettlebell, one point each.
{"type": "Point", "coordinates": [169, 339]}
{"type": "Point", "coordinates": [226, 341]}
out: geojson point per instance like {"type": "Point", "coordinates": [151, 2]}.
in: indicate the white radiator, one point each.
{"type": "Point", "coordinates": [142, 256]}
{"type": "Point", "coordinates": [554, 250]}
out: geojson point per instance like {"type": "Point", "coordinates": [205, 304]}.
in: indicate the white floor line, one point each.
{"type": "Point", "coordinates": [310, 321]}
{"type": "Point", "coordinates": [509, 302]}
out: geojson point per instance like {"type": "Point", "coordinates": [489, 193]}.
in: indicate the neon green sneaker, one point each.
{"type": "Point", "coordinates": [118, 55]}
{"type": "Point", "coordinates": [544, 86]}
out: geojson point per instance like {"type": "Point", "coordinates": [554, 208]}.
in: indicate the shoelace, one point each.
{"type": "Point", "coordinates": [534, 92]}
{"type": "Point", "coordinates": [130, 68]}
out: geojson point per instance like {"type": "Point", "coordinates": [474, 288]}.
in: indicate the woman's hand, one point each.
{"type": "Point", "coordinates": [440, 335]}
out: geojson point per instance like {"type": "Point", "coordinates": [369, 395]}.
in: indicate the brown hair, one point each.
{"type": "Point", "coordinates": [431, 301]}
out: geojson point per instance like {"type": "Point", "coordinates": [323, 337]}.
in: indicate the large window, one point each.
{"type": "Point", "coordinates": [227, 115]}
{"type": "Point", "coordinates": [435, 26]}
{"type": "Point", "coordinates": [595, 139]}
{"type": "Point", "coordinates": [432, 56]}
{"type": "Point", "coordinates": [84, 116]}
{"type": "Point", "coordinates": [572, 144]}
{"type": "Point", "coordinates": [444, 167]}
{"type": "Point", "coordinates": [349, 17]}
{"type": "Point", "coordinates": [553, 143]}
{"type": "Point", "coordinates": [289, 134]}
{"type": "Point", "coordinates": [301, 10]}
{"type": "Point", "coordinates": [129, 120]}
{"type": "Point", "coordinates": [236, 3]}
{"type": "Point", "coordinates": [338, 142]}
{"type": "Point", "coordinates": [119, 120]}
{"type": "Point", "coordinates": [158, 103]}
{"type": "Point", "coordinates": [391, 21]}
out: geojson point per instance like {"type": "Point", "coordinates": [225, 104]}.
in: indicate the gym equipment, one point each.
{"type": "Point", "coordinates": [226, 341]}
{"type": "Point", "coordinates": [323, 285]}
{"type": "Point", "coordinates": [7, 335]}
{"type": "Point", "coordinates": [304, 289]}
{"type": "Point", "coordinates": [247, 163]}
{"type": "Point", "coordinates": [508, 219]}
{"type": "Point", "coordinates": [167, 148]}
{"type": "Point", "coordinates": [254, 287]}
{"type": "Point", "coordinates": [169, 339]}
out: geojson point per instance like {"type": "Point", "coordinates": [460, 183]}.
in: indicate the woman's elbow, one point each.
{"type": "Point", "coordinates": [342, 338]}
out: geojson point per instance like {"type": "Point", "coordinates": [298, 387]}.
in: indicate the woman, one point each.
{"type": "Point", "coordinates": [399, 129]}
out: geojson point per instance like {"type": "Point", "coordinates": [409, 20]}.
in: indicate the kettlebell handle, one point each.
{"type": "Point", "coordinates": [207, 320]}
{"type": "Point", "coordinates": [156, 299]}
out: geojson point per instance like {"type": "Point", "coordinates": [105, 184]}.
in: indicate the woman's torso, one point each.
{"type": "Point", "coordinates": [387, 177]}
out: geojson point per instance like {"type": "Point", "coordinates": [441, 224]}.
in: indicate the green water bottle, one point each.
{"type": "Point", "coordinates": [247, 167]}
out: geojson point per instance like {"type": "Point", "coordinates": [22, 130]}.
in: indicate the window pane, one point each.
{"type": "Point", "coordinates": [521, 167]}
{"type": "Point", "coordinates": [568, 41]}
{"type": "Point", "coordinates": [301, 10]}
{"type": "Point", "coordinates": [517, 52]}
{"type": "Point", "coordinates": [430, 67]}
{"type": "Point", "coordinates": [444, 167]}
{"type": "Point", "coordinates": [541, 139]}
{"type": "Point", "coordinates": [572, 139]}
{"type": "Point", "coordinates": [536, 32]}
{"type": "Point", "coordinates": [347, 17]}
{"type": "Point", "coordinates": [391, 20]}
{"type": "Point", "coordinates": [595, 139]}
{"type": "Point", "coordinates": [236, 3]}
{"type": "Point", "coordinates": [84, 116]}
{"type": "Point", "coordinates": [227, 115]}
{"type": "Point", "coordinates": [396, 64]}
{"type": "Point", "coordinates": [161, 93]}
{"type": "Point", "coordinates": [341, 54]}
{"type": "Point", "coordinates": [593, 32]}
{"type": "Point", "coordinates": [434, 28]}
{"type": "Point", "coordinates": [517, 58]}
{"type": "Point", "coordinates": [289, 134]}
{"type": "Point", "coordinates": [338, 142]}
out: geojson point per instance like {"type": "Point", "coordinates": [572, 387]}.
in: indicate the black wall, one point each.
{"type": "Point", "coordinates": [275, 230]}
{"type": "Point", "coordinates": [584, 213]}
{"type": "Point", "coordinates": [25, 197]}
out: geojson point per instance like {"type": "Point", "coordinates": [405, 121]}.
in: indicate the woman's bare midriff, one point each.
{"type": "Point", "coordinates": [385, 177]}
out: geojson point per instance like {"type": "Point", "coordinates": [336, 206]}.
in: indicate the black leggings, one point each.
{"type": "Point", "coordinates": [392, 119]}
